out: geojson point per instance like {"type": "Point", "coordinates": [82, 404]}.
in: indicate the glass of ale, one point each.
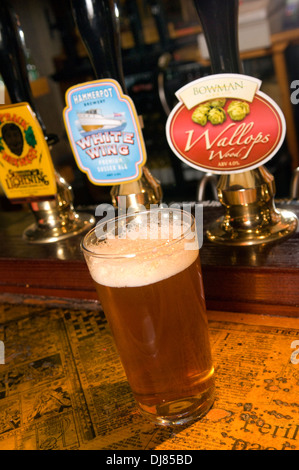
{"type": "Point", "coordinates": [147, 273]}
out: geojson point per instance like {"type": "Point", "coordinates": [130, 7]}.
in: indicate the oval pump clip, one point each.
{"type": "Point", "coordinates": [224, 125]}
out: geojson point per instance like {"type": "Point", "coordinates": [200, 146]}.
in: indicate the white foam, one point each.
{"type": "Point", "coordinates": [148, 262]}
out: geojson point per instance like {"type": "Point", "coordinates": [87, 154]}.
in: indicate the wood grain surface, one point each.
{"type": "Point", "coordinates": [241, 279]}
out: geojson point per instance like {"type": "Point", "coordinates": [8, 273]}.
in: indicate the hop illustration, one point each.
{"type": "Point", "coordinates": [210, 111]}
{"type": "Point", "coordinates": [200, 115]}
{"type": "Point", "coordinates": [238, 110]}
{"type": "Point", "coordinates": [214, 112]}
{"type": "Point", "coordinates": [219, 103]}
{"type": "Point", "coordinates": [217, 116]}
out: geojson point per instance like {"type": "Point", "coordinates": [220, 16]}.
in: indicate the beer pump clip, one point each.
{"type": "Point", "coordinates": [223, 124]}
{"type": "Point", "coordinates": [103, 127]}
{"type": "Point", "coordinates": [27, 172]}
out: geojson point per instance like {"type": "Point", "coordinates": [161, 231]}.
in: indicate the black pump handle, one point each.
{"type": "Point", "coordinates": [98, 24]}
{"type": "Point", "coordinates": [219, 20]}
{"type": "Point", "coordinates": [13, 66]}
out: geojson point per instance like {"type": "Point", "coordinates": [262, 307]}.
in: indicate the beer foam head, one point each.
{"type": "Point", "coordinates": [139, 252]}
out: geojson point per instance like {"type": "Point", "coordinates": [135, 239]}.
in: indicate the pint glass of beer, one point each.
{"type": "Point", "coordinates": [147, 273]}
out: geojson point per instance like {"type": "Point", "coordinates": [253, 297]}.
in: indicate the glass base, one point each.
{"type": "Point", "coordinates": [182, 411]}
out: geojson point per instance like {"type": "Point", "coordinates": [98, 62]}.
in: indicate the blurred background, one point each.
{"type": "Point", "coordinates": [162, 49]}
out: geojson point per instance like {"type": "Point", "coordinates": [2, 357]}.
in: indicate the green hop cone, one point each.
{"type": "Point", "coordinates": [238, 110]}
{"type": "Point", "coordinates": [200, 115]}
{"type": "Point", "coordinates": [219, 103]}
{"type": "Point", "coordinates": [203, 108]}
{"type": "Point", "coordinates": [216, 116]}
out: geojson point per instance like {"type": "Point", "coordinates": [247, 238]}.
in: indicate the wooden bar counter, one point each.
{"type": "Point", "coordinates": [62, 385]}
{"type": "Point", "coordinates": [241, 279]}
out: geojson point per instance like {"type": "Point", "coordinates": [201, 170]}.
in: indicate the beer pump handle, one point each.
{"type": "Point", "coordinates": [239, 226]}
{"type": "Point", "coordinates": [219, 21]}
{"type": "Point", "coordinates": [55, 218]}
{"type": "Point", "coordinates": [98, 24]}
{"type": "Point", "coordinates": [13, 63]}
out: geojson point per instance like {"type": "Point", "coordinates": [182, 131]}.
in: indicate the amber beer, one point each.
{"type": "Point", "coordinates": [150, 285]}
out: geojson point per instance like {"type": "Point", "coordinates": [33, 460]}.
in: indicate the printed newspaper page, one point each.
{"type": "Point", "coordinates": [62, 385]}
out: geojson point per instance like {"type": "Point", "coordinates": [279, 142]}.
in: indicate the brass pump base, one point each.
{"type": "Point", "coordinates": [143, 192]}
{"type": "Point", "coordinates": [56, 219]}
{"type": "Point", "coordinates": [282, 224]}
{"type": "Point", "coordinates": [251, 217]}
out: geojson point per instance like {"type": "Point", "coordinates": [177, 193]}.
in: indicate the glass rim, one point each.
{"type": "Point", "coordinates": [165, 242]}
